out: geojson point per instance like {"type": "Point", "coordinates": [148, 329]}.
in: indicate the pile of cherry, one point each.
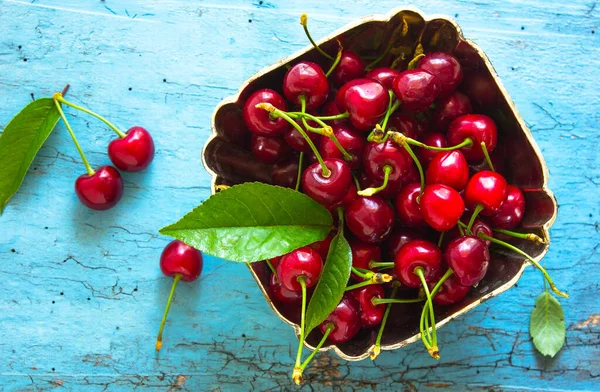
{"type": "Point", "coordinates": [402, 155]}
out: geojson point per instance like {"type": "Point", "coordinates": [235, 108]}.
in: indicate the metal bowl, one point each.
{"type": "Point", "coordinates": [227, 158]}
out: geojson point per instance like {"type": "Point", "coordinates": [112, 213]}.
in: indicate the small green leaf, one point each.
{"type": "Point", "coordinates": [547, 326]}
{"type": "Point", "coordinates": [252, 222]}
{"type": "Point", "coordinates": [20, 142]}
{"type": "Point", "coordinates": [332, 283]}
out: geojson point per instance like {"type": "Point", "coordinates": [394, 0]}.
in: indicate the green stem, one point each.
{"type": "Point", "coordinates": [300, 162]}
{"type": "Point", "coordinates": [359, 285]}
{"type": "Point", "coordinates": [391, 109]}
{"type": "Point", "coordinates": [272, 268]}
{"type": "Point", "coordinates": [379, 301]}
{"type": "Point", "coordinates": [460, 229]}
{"type": "Point", "coordinates": [329, 329]}
{"type": "Point", "coordinates": [381, 264]}
{"type": "Point", "coordinates": [326, 130]}
{"type": "Point", "coordinates": [465, 143]}
{"type": "Point", "coordinates": [83, 158]}
{"type": "Point", "coordinates": [419, 167]}
{"type": "Point", "coordinates": [359, 273]}
{"type": "Point", "coordinates": [340, 116]}
{"type": "Point", "coordinates": [356, 183]}
{"type": "Point", "coordinates": [478, 209]}
{"type": "Point", "coordinates": [439, 243]}
{"type": "Point", "coordinates": [304, 23]}
{"type": "Point", "coordinates": [338, 57]}
{"type": "Point", "coordinates": [433, 351]}
{"type": "Point", "coordinates": [525, 236]}
{"type": "Point", "coordinates": [381, 57]}
{"type": "Point", "coordinates": [176, 280]}
{"type": "Point", "coordinates": [388, 308]}
{"type": "Point", "coordinates": [487, 156]}
{"type": "Point", "coordinates": [60, 98]}
{"type": "Point", "coordinates": [302, 280]}
{"type": "Point", "coordinates": [371, 191]}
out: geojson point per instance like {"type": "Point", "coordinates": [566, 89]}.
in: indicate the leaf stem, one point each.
{"type": "Point", "coordinates": [176, 280]}
{"type": "Point", "coordinates": [89, 169]}
{"type": "Point", "coordinates": [60, 98]}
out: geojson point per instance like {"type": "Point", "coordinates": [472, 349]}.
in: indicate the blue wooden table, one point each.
{"type": "Point", "coordinates": [82, 295]}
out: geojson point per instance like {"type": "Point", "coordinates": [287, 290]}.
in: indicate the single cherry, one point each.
{"type": "Point", "coordinates": [370, 219]}
{"type": "Point", "coordinates": [511, 213]}
{"type": "Point", "coordinates": [379, 155]}
{"type": "Point", "coordinates": [283, 295]}
{"type": "Point", "coordinates": [445, 68]}
{"type": "Point", "coordinates": [399, 237]}
{"type": "Point", "coordinates": [350, 67]}
{"type": "Point", "coordinates": [134, 152]}
{"type": "Point", "coordinates": [418, 254]}
{"type": "Point", "coordinates": [269, 149]}
{"type": "Point", "coordinates": [441, 206]}
{"type": "Point", "coordinates": [450, 108]}
{"type": "Point", "coordinates": [477, 127]}
{"type": "Point", "coordinates": [349, 139]}
{"type": "Point", "coordinates": [302, 262]}
{"type": "Point", "coordinates": [434, 139]}
{"type": "Point", "coordinates": [383, 75]}
{"type": "Point", "coordinates": [488, 189]}
{"type": "Point", "coordinates": [346, 201]}
{"type": "Point", "coordinates": [181, 262]}
{"type": "Point", "coordinates": [100, 190]}
{"type": "Point", "coordinates": [417, 89]}
{"type": "Point", "coordinates": [448, 168]}
{"type": "Point", "coordinates": [406, 125]}
{"type": "Point", "coordinates": [259, 121]}
{"type": "Point", "coordinates": [365, 100]}
{"type": "Point", "coordinates": [306, 79]}
{"type": "Point", "coordinates": [370, 314]}
{"type": "Point", "coordinates": [406, 206]}
{"type": "Point", "coordinates": [362, 254]}
{"type": "Point", "coordinates": [469, 258]}
{"type": "Point", "coordinates": [450, 292]}
{"type": "Point", "coordinates": [327, 190]}
{"type": "Point", "coordinates": [345, 320]}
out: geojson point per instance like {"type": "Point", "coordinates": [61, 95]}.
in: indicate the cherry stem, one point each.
{"type": "Point", "coordinates": [531, 260]}
{"type": "Point", "coordinates": [361, 284]}
{"type": "Point", "coordinates": [340, 212]}
{"type": "Point", "coordinates": [465, 143]}
{"type": "Point", "coordinates": [356, 183]}
{"type": "Point", "coordinates": [359, 273]}
{"type": "Point", "coordinates": [415, 61]}
{"type": "Point", "coordinates": [487, 156]}
{"type": "Point", "coordinates": [391, 109]}
{"type": "Point", "coordinates": [89, 169]}
{"type": "Point", "coordinates": [176, 280]}
{"type": "Point", "coordinates": [299, 171]}
{"type": "Point", "coordinates": [304, 23]}
{"type": "Point", "coordinates": [340, 116]}
{"type": "Point", "coordinates": [381, 264]}
{"type": "Point", "coordinates": [59, 97]}
{"type": "Point", "coordinates": [371, 191]}
{"type": "Point", "coordinates": [377, 348]}
{"type": "Point", "coordinates": [330, 328]}
{"type": "Point", "coordinates": [338, 57]}
{"type": "Point", "coordinates": [433, 351]}
{"type": "Point", "coordinates": [325, 131]}
{"type": "Point", "coordinates": [272, 269]}
{"type": "Point", "coordinates": [478, 209]}
{"type": "Point", "coordinates": [439, 243]}
{"type": "Point", "coordinates": [381, 57]}
{"type": "Point", "coordinates": [435, 290]}
{"type": "Point", "coordinates": [419, 167]}
{"type": "Point", "coordinates": [525, 236]}
{"type": "Point", "coordinates": [460, 229]}
{"type": "Point", "coordinates": [302, 280]}
{"type": "Point", "coordinates": [65, 89]}
{"type": "Point", "coordinates": [379, 301]}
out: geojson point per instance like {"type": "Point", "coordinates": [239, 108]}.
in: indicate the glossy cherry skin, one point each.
{"type": "Point", "coordinates": [100, 191]}
{"type": "Point", "coordinates": [178, 258]}
{"type": "Point", "coordinates": [406, 206]}
{"type": "Point", "coordinates": [370, 314]}
{"type": "Point", "coordinates": [322, 246]}
{"type": "Point", "coordinates": [259, 121]}
{"type": "Point", "coordinates": [306, 79]}
{"type": "Point", "coordinates": [134, 152]}
{"type": "Point", "coordinates": [345, 319]}
{"type": "Point", "coordinates": [405, 124]}
{"type": "Point", "coordinates": [469, 258]}
{"type": "Point", "coordinates": [434, 139]}
{"type": "Point", "coordinates": [450, 292]}
{"type": "Point", "coordinates": [383, 75]}
{"type": "Point", "coordinates": [331, 109]}
{"type": "Point", "coordinates": [297, 142]}
{"type": "Point", "coordinates": [283, 295]}
{"type": "Point", "coordinates": [350, 67]}
{"type": "Point", "coordinates": [477, 127]}
{"type": "Point", "coordinates": [487, 188]}
{"type": "Point", "coordinates": [366, 101]}
{"type": "Point", "coordinates": [445, 68]}
{"type": "Point", "coordinates": [353, 142]}
{"type": "Point", "coordinates": [399, 237]}
{"type": "Point", "coordinates": [378, 155]}
{"type": "Point", "coordinates": [370, 219]}
{"type": "Point", "coordinates": [362, 254]}
{"type": "Point", "coordinates": [418, 253]}
{"type": "Point", "coordinates": [417, 89]}
{"type": "Point", "coordinates": [448, 168]}
{"type": "Point", "coordinates": [269, 149]}
{"type": "Point", "coordinates": [346, 201]}
{"type": "Point", "coordinates": [327, 190]}
{"type": "Point", "coordinates": [304, 262]}
{"type": "Point", "coordinates": [511, 213]}
{"type": "Point", "coordinates": [285, 173]}
{"type": "Point", "coordinates": [450, 108]}
{"type": "Point", "coordinates": [441, 206]}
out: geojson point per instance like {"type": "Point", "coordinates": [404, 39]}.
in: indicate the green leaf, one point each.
{"type": "Point", "coordinates": [253, 222]}
{"type": "Point", "coordinates": [547, 326]}
{"type": "Point", "coordinates": [20, 142]}
{"type": "Point", "coordinates": [332, 283]}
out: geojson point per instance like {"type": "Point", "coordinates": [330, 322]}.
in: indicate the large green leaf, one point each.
{"type": "Point", "coordinates": [547, 326]}
{"type": "Point", "coordinates": [332, 283]}
{"type": "Point", "coordinates": [253, 222]}
{"type": "Point", "coordinates": [20, 141]}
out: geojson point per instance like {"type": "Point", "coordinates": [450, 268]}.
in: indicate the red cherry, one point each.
{"type": "Point", "coordinates": [345, 319]}
{"type": "Point", "coordinates": [350, 67]}
{"type": "Point", "coordinates": [418, 253]}
{"type": "Point", "coordinates": [295, 140]}
{"type": "Point", "coordinates": [405, 124]}
{"type": "Point", "coordinates": [450, 108]}
{"type": "Point", "coordinates": [345, 202]}
{"type": "Point", "coordinates": [304, 262]}
{"type": "Point", "coordinates": [417, 89]}
{"type": "Point", "coordinates": [435, 139]}
{"type": "Point", "coordinates": [399, 237]}
{"type": "Point", "coordinates": [477, 127]}
{"type": "Point", "coordinates": [285, 174]}
{"type": "Point", "coordinates": [134, 152]}
{"type": "Point", "coordinates": [407, 207]}
{"type": "Point", "coordinates": [362, 254]}
{"type": "Point", "coordinates": [488, 189]}
{"type": "Point", "coordinates": [258, 120]}
{"type": "Point", "coordinates": [448, 168]}
{"type": "Point", "coordinates": [323, 246]}
{"type": "Point", "coordinates": [511, 213]}
{"type": "Point", "coordinates": [306, 79]}
{"type": "Point", "coordinates": [365, 100]}
{"type": "Point", "coordinates": [379, 155]}
{"type": "Point", "coordinates": [327, 190]}
{"type": "Point", "coordinates": [370, 314]}
{"type": "Point", "coordinates": [101, 190]}
{"type": "Point", "coordinates": [469, 258]}
{"type": "Point", "coordinates": [269, 149]}
{"type": "Point", "coordinates": [350, 140]}
{"type": "Point", "coordinates": [370, 219]}
{"type": "Point", "coordinates": [441, 206]}
{"type": "Point", "coordinates": [383, 75]}
{"type": "Point", "coordinates": [178, 258]}
{"type": "Point", "coordinates": [283, 295]}
{"type": "Point", "coordinates": [450, 292]}
{"type": "Point", "coordinates": [445, 68]}
{"type": "Point", "coordinates": [480, 227]}
{"type": "Point", "coordinates": [331, 109]}
{"type": "Point", "coordinates": [389, 192]}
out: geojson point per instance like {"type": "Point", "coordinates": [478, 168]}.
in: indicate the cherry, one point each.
{"type": "Point", "coordinates": [269, 149]}
{"type": "Point", "coordinates": [434, 139]}
{"type": "Point", "coordinates": [441, 206]}
{"type": "Point", "coordinates": [306, 79]}
{"type": "Point", "coordinates": [331, 109]}
{"type": "Point", "coordinates": [405, 124]}
{"type": "Point", "coordinates": [182, 262]}
{"type": "Point", "coordinates": [480, 227]}
{"type": "Point", "coordinates": [323, 246]}
{"type": "Point", "coordinates": [366, 101]}
{"type": "Point", "coordinates": [100, 190]}
{"type": "Point", "coordinates": [134, 152]}
{"type": "Point", "coordinates": [362, 254]}
{"type": "Point", "coordinates": [350, 67]}
{"type": "Point", "coordinates": [477, 127]}
{"type": "Point", "coordinates": [445, 68]}
{"type": "Point", "coordinates": [448, 168]}
{"type": "Point", "coordinates": [407, 207]}
{"type": "Point", "coordinates": [383, 75]}
{"type": "Point", "coordinates": [511, 213]}
{"type": "Point", "coordinates": [417, 89]}
{"type": "Point", "coordinates": [259, 121]}
{"type": "Point", "coordinates": [379, 155]}
{"type": "Point", "coordinates": [390, 191]}
{"type": "Point", "coordinates": [285, 174]}
{"type": "Point", "coordinates": [415, 254]}
{"type": "Point", "coordinates": [450, 108]}
{"type": "Point", "coordinates": [370, 314]}
{"type": "Point", "coordinates": [327, 190]}
{"type": "Point", "coordinates": [302, 262]}
{"type": "Point", "coordinates": [295, 140]}
{"type": "Point", "coordinates": [283, 295]}
{"type": "Point", "coordinates": [469, 258]}
{"type": "Point", "coordinates": [486, 189]}
{"type": "Point", "coordinates": [345, 319]}
{"type": "Point", "coordinates": [450, 292]}
{"type": "Point", "coordinates": [399, 237]}
{"type": "Point", "coordinates": [349, 139]}
{"type": "Point", "coordinates": [345, 202]}
{"type": "Point", "coordinates": [370, 219]}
